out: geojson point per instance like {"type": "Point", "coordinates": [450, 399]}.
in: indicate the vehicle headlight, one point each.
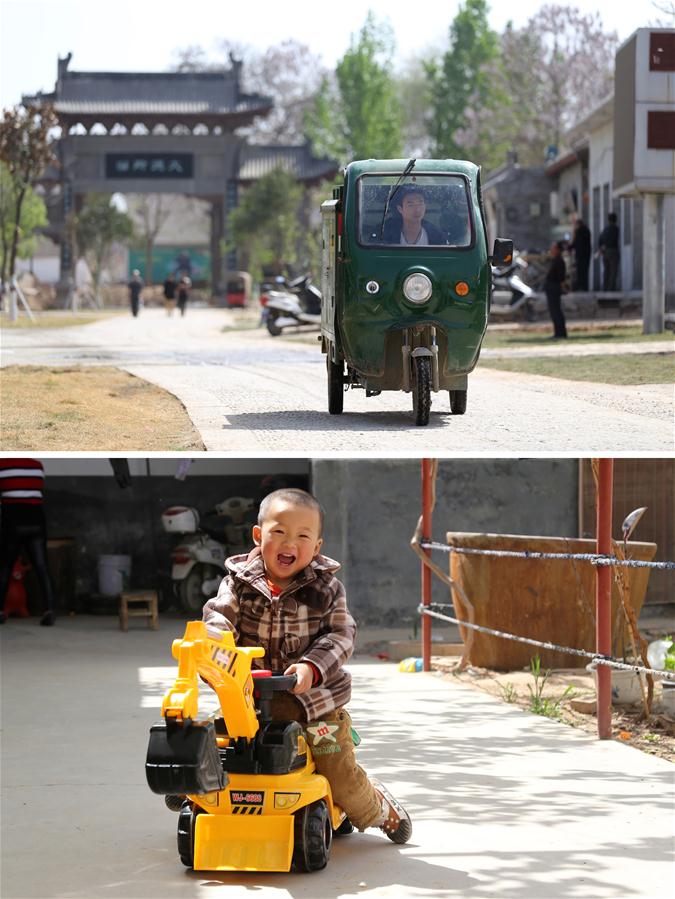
{"type": "Point", "coordinates": [417, 288]}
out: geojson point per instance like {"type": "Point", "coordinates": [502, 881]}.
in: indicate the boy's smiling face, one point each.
{"type": "Point", "coordinates": [289, 538]}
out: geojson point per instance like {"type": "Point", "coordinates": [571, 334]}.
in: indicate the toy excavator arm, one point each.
{"type": "Point", "coordinates": [225, 667]}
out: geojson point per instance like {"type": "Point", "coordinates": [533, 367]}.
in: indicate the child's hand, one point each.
{"type": "Point", "coordinates": [304, 674]}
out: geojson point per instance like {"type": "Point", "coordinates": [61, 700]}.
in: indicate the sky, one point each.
{"type": "Point", "coordinates": [144, 35]}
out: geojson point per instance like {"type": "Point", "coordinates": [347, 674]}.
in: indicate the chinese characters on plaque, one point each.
{"type": "Point", "coordinates": [149, 165]}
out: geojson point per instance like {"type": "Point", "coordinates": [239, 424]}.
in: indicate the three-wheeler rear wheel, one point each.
{"type": "Point", "coordinates": [336, 391]}
{"type": "Point", "coordinates": [313, 837]}
{"type": "Point", "coordinates": [421, 389]}
{"type": "Point", "coordinates": [457, 401]}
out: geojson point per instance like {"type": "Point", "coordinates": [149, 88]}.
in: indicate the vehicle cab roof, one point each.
{"type": "Point", "coordinates": [422, 166]}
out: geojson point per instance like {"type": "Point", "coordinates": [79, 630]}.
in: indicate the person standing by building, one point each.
{"type": "Point", "coordinates": [553, 283]}
{"type": "Point", "coordinates": [170, 293]}
{"type": "Point", "coordinates": [135, 288]}
{"type": "Point", "coordinates": [23, 527]}
{"type": "Point", "coordinates": [608, 248]}
{"type": "Point", "coordinates": [184, 286]}
{"type": "Point", "coordinates": [581, 245]}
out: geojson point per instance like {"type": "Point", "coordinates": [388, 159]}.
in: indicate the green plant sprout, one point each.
{"type": "Point", "coordinates": [549, 708]}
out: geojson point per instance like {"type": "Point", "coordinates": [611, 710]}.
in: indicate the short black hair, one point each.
{"type": "Point", "coordinates": [612, 218]}
{"type": "Point", "coordinates": [410, 189]}
{"type": "Point", "coordinates": [295, 497]}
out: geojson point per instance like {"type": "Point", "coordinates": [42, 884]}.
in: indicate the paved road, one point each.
{"type": "Point", "coordinates": [248, 392]}
{"type": "Point", "coordinates": [504, 803]}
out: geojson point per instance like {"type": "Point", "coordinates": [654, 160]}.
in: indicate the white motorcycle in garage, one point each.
{"type": "Point", "coordinates": [198, 561]}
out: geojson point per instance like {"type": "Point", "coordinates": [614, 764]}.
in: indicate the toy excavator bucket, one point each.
{"type": "Point", "coordinates": [183, 758]}
{"type": "Point", "coordinates": [251, 843]}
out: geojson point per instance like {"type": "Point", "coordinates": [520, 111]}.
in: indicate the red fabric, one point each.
{"type": "Point", "coordinates": [28, 476]}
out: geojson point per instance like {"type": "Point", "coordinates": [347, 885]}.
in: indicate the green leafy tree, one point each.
{"type": "Point", "coordinates": [357, 114]}
{"type": "Point", "coordinates": [33, 216]}
{"type": "Point", "coordinates": [99, 225]}
{"type": "Point", "coordinates": [265, 228]}
{"type": "Point", "coordinates": [25, 149]}
{"type": "Point", "coordinates": [461, 82]}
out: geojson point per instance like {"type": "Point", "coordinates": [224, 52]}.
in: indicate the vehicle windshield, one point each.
{"type": "Point", "coordinates": [425, 210]}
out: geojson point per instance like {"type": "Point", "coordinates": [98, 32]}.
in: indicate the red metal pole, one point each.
{"type": "Point", "coordinates": [426, 572]}
{"type": "Point", "coordinates": [603, 597]}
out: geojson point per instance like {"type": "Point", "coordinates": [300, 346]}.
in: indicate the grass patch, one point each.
{"type": "Point", "coordinates": [611, 336]}
{"type": "Point", "coordinates": [84, 409]}
{"type": "Point", "coordinates": [629, 368]}
{"type": "Point", "coordinates": [55, 319]}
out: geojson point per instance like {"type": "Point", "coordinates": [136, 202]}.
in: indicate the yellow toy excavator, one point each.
{"type": "Point", "coordinates": [246, 788]}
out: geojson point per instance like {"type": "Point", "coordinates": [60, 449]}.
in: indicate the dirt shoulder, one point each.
{"type": "Point", "coordinates": [568, 696]}
{"type": "Point", "coordinates": [87, 409]}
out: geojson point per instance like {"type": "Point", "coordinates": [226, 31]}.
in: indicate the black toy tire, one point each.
{"type": "Point", "coordinates": [458, 401]}
{"type": "Point", "coordinates": [421, 389]}
{"type": "Point", "coordinates": [336, 393]}
{"type": "Point", "coordinates": [344, 829]}
{"type": "Point", "coordinates": [271, 323]}
{"type": "Point", "coordinates": [186, 833]}
{"type": "Point", "coordinates": [313, 836]}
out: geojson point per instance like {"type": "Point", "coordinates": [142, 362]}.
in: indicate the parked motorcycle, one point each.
{"type": "Point", "coordinates": [198, 561]}
{"type": "Point", "coordinates": [507, 279]}
{"type": "Point", "coordinates": [296, 304]}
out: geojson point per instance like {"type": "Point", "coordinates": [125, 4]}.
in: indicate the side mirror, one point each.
{"type": "Point", "coordinates": [502, 254]}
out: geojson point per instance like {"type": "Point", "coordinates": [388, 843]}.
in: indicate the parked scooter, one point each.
{"type": "Point", "coordinates": [298, 304]}
{"type": "Point", "coordinates": [507, 279]}
{"type": "Point", "coordinates": [198, 561]}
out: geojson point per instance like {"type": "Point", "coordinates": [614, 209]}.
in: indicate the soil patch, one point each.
{"type": "Point", "coordinates": [84, 409]}
{"type": "Point", "coordinates": [565, 692]}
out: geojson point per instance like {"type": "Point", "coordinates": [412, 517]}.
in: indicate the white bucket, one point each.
{"type": "Point", "coordinates": [113, 574]}
{"type": "Point", "coordinates": [626, 687]}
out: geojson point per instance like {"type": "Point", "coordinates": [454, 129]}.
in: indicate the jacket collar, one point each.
{"type": "Point", "coordinates": [251, 570]}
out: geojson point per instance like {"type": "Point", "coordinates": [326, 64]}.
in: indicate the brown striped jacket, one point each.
{"type": "Point", "coordinates": [308, 622]}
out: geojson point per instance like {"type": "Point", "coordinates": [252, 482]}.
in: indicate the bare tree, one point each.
{"type": "Point", "coordinates": [289, 73]}
{"type": "Point", "coordinates": [152, 211]}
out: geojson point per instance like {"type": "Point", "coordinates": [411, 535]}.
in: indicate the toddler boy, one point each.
{"type": "Point", "coordinates": [284, 597]}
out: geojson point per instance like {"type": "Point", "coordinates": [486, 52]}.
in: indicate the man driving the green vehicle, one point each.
{"type": "Point", "coordinates": [410, 227]}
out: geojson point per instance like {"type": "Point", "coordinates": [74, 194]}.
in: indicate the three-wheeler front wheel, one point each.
{"type": "Point", "coordinates": [336, 392]}
{"type": "Point", "coordinates": [421, 389]}
{"type": "Point", "coordinates": [457, 401]}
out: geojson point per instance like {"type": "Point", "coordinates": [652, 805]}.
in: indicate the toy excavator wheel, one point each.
{"type": "Point", "coordinates": [186, 833]}
{"type": "Point", "coordinates": [344, 829]}
{"type": "Point", "coordinates": [313, 837]}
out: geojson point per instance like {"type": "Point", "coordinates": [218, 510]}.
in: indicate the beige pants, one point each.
{"type": "Point", "coordinates": [330, 740]}
{"type": "Point", "coordinates": [169, 305]}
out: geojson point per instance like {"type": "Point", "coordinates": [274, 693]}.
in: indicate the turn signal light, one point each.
{"type": "Point", "coordinates": [461, 288]}
{"type": "Point", "coordinates": [285, 800]}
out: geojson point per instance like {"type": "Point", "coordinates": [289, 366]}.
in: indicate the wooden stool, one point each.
{"type": "Point", "coordinates": [147, 600]}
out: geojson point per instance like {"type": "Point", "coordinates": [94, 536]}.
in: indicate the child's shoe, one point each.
{"type": "Point", "coordinates": [395, 820]}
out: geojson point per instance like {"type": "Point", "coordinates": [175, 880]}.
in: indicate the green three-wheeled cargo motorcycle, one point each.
{"type": "Point", "coordinates": [406, 280]}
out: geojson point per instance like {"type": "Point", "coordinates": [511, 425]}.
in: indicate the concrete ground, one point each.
{"type": "Point", "coordinates": [504, 803]}
{"type": "Point", "coordinates": [248, 392]}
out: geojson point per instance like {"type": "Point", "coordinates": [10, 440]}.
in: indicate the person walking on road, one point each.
{"type": "Point", "coordinates": [135, 288]}
{"type": "Point", "coordinates": [553, 286]}
{"type": "Point", "coordinates": [608, 248]}
{"type": "Point", "coordinates": [581, 245]}
{"type": "Point", "coordinates": [170, 293]}
{"type": "Point", "coordinates": [184, 286]}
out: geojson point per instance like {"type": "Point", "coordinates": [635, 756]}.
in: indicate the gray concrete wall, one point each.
{"type": "Point", "coordinates": [372, 507]}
